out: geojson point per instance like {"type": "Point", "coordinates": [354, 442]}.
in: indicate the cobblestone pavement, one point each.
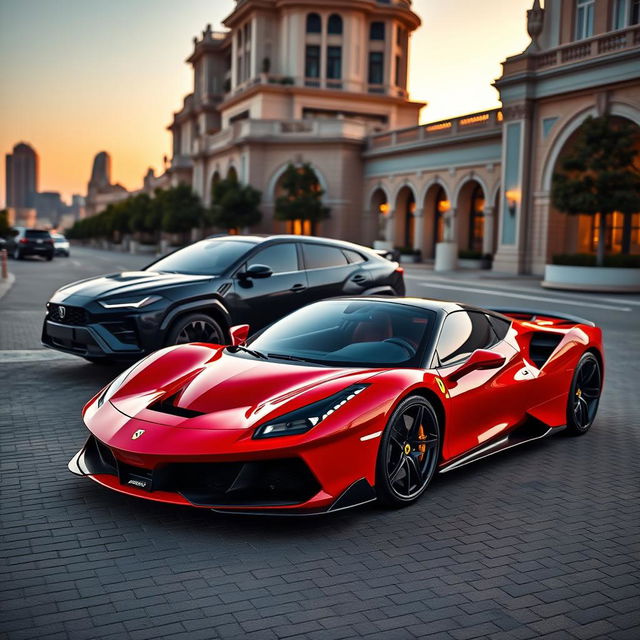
{"type": "Point", "coordinates": [541, 542]}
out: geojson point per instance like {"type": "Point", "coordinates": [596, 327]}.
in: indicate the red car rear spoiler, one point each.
{"type": "Point", "coordinates": [531, 315]}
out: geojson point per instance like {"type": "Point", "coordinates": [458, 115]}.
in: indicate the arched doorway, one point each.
{"type": "Point", "coordinates": [436, 204]}
{"type": "Point", "coordinates": [471, 221]}
{"type": "Point", "coordinates": [404, 212]}
{"type": "Point", "coordinates": [299, 226]}
{"type": "Point", "coordinates": [232, 174]}
{"type": "Point", "coordinates": [570, 234]}
{"type": "Point", "coordinates": [215, 180]}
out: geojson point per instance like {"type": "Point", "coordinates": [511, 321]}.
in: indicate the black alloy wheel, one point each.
{"type": "Point", "coordinates": [196, 327]}
{"type": "Point", "coordinates": [409, 452]}
{"type": "Point", "coordinates": [584, 395]}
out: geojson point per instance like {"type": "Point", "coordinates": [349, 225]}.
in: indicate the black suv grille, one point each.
{"type": "Point", "coordinates": [70, 315]}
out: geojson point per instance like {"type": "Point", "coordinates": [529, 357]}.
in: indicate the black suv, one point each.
{"type": "Point", "coordinates": [30, 242]}
{"type": "Point", "coordinates": [197, 293]}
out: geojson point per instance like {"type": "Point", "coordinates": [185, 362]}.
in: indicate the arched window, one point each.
{"type": "Point", "coordinates": [334, 26]}
{"type": "Point", "coordinates": [376, 31]}
{"type": "Point", "coordinates": [314, 24]}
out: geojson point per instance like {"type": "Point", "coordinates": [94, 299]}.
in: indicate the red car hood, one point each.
{"type": "Point", "coordinates": [231, 392]}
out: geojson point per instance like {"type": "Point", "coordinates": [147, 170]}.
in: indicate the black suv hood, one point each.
{"type": "Point", "coordinates": [125, 283]}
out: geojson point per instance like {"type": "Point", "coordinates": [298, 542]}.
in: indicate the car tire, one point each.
{"type": "Point", "coordinates": [50, 257]}
{"type": "Point", "coordinates": [584, 395]}
{"type": "Point", "coordinates": [195, 327]}
{"type": "Point", "coordinates": [405, 466]}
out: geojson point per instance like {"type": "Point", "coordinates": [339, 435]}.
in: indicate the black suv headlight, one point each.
{"type": "Point", "coordinates": [136, 302]}
{"type": "Point", "coordinates": [301, 420]}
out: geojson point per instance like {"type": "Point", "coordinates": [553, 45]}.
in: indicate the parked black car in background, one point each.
{"type": "Point", "coordinates": [197, 293]}
{"type": "Point", "coordinates": [30, 242]}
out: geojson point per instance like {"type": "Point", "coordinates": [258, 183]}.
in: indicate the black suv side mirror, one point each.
{"type": "Point", "coordinates": [256, 271]}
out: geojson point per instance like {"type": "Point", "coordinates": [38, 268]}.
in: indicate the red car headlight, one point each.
{"type": "Point", "coordinates": [301, 420]}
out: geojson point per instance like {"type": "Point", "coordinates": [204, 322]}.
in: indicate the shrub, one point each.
{"type": "Point", "coordinates": [469, 254]}
{"type": "Point", "coordinates": [619, 260]}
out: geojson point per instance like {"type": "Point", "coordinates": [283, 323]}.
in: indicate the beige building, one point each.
{"type": "Point", "coordinates": [294, 81]}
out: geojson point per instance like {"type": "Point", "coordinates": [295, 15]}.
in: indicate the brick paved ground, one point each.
{"type": "Point", "coordinates": [540, 542]}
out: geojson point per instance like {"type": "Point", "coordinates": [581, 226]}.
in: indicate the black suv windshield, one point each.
{"type": "Point", "coordinates": [36, 233]}
{"type": "Point", "coordinates": [351, 333]}
{"type": "Point", "coordinates": [207, 257]}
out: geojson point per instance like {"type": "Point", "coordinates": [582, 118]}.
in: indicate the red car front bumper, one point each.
{"type": "Point", "coordinates": [226, 469]}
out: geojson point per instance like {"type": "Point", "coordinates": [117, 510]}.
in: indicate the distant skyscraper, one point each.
{"type": "Point", "coordinates": [100, 191]}
{"type": "Point", "coordinates": [100, 173]}
{"type": "Point", "coordinates": [22, 176]}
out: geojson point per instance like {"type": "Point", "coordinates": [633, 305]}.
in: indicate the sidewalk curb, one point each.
{"type": "Point", "coordinates": [5, 285]}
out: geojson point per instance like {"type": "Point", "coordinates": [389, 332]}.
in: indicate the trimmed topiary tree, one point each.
{"type": "Point", "coordinates": [599, 176]}
{"type": "Point", "coordinates": [302, 199]}
{"type": "Point", "coordinates": [180, 208]}
{"type": "Point", "coordinates": [235, 206]}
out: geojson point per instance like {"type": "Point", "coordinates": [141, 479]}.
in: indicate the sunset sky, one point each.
{"type": "Point", "coordinates": [81, 76]}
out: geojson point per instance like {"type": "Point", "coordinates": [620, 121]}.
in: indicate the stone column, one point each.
{"type": "Point", "coordinates": [418, 230]}
{"type": "Point", "coordinates": [512, 255]}
{"type": "Point", "coordinates": [390, 230]}
{"type": "Point", "coordinates": [487, 238]}
{"type": "Point", "coordinates": [447, 251]}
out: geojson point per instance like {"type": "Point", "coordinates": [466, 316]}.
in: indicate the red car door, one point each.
{"type": "Point", "coordinates": [484, 403]}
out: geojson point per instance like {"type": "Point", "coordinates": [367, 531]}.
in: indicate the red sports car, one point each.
{"type": "Point", "coordinates": [340, 403]}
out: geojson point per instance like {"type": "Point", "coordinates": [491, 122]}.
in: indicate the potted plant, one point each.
{"type": "Point", "coordinates": [470, 259]}
{"type": "Point", "coordinates": [408, 254]}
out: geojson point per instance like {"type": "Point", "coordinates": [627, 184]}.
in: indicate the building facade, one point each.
{"type": "Point", "coordinates": [289, 83]}
{"type": "Point", "coordinates": [292, 82]}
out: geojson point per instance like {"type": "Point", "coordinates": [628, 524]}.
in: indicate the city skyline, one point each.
{"type": "Point", "coordinates": [104, 93]}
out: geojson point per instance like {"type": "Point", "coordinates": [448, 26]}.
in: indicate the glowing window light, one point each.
{"type": "Point", "coordinates": [474, 119]}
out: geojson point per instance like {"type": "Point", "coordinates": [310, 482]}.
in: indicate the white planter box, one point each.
{"type": "Point", "coordinates": [470, 263]}
{"type": "Point", "coordinates": [474, 263]}
{"type": "Point", "coordinates": [605, 279]}
{"type": "Point", "coordinates": [446, 256]}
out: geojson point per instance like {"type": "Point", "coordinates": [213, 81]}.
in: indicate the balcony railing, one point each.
{"type": "Point", "coordinates": [484, 121]}
{"type": "Point", "coordinates": [241, 130]}
{"type": "Point", "coordinates": [591, 48]}
{"type": "Point", "coordinates": [317, 83]}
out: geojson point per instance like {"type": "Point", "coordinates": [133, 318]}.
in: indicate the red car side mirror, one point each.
{"type": "Point", "coordinates": [479, 359]}
{"type": "Point", "coordinates": [239, 334]}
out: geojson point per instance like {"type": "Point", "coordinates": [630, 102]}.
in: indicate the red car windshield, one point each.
{"type": "Point", "coordinates": [351, 333]}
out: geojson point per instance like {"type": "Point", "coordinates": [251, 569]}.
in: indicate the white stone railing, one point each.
{"type": "Point", "coordinates": [318, 128]}
{"type": "Point", "coordinates": [611, 42]}
{"type": "Point", "coordinates": [454, 127]}
{"type": "Point", "coordinates": [317, 83]}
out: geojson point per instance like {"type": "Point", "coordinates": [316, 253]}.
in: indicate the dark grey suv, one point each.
{"type": "Point", "coordinates": [197, 293]}
{"type": "Point", "coordinates": [30, 242]}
